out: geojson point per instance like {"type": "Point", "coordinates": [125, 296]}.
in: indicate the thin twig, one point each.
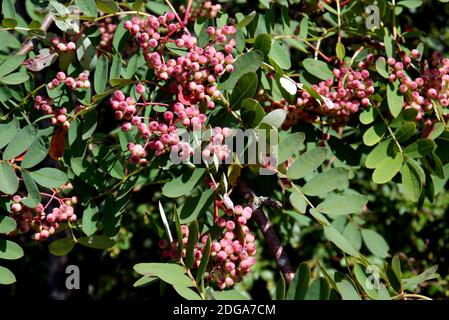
{"type": "Point", "coordinates": [28, 46]}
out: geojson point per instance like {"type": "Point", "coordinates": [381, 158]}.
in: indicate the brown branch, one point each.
{"type": "Point", "coordinates": [28, 46]}
{"type": "Point", "coordinates": [269, 233]}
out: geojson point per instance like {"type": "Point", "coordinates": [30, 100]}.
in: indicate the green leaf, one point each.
{"type": "Point", "coordinates": [341, 242]}
{"type": "Point", "coordinates": [9, 23]}
{"type": "Point", "coordinates": [387, 169]}
{"type": "Point", "coordinates": [22, 141]}
{"type": "Point", "coordinates": [15, 78]}
{"type": "Point", "coordinates": [191, 243]}
{"type": "Point", "coordinates": [318, 69]}
{"type": "Point", "coordinates": [336, 204]}
{"type": "Point", "coordinates": [434, 166]}
{"type": "Point", "coordinates": [90, 219]}
{"type": "Point", "coordinates": [107, 6]}
{"type": "Point", "coordinates": [247, 20]}
{"type": "Point", "coordinates": [165, 223]}
{"type": "Point", "coordinates": [101, 74]}
{"type": "Point", "coordinates": [280, 289]}
{"type": "Point", "coordinates": [420, 148]}
{"type": "Point", "coordinates": [204, 260]}
{"type": "Point", "coordinates": [396, 267]}
{"type": "Point", "coordinates": [366, 281]}
{"type": "Point", "coordinates": [375, 243]}
{"type": "Point", "coordinates": [394, 274]}
{"type": "Point", "coordinates": [116, 67]}
{"type": "Point", "coordinates": [263, 44]}
{"type": "Point", "coordinates": [319, 290]}
{"type": "Point", "coordinates": [374, 134]}
{"type": "Point", "coordinates": [183, 184]}
{"type": "Point", "coordinates": [9, 183]}
{"type": "Point", "coordinates": [179, 235]}
{"type": "Point", "coordinates": [232, 294]}
{"type": "Point", "coordinates": [347, 290]}
{"type": "Point", "coordinates": [193, 207]}
{"type": "Point", "coordinates": [298, 202]}
{"type": "Point", "coordinates": [86, 52]}
{"type": "Point", "coordinates": [11, 64]}
{"type": "Point", "coordinates": [352, 233]}
{"type": "Point", "coordinates": [327, 181]}
{"type": "Point", "coordinates": [393, 279]}
{"type": "Point", "coordinates": [49, 177]}
{"type": "Point", "coordinates": [307, 163]}
{"type": "Point", "coordinates": [304, 27]}
{"type": "Point", "coordinates": [132, 67]}
{"type": "Point", "coordinates": [121, 36]}
{"type": "Point", "coordinates": [275, 118]}
{"type": "Point", "coordinates": [88, 7]}
{"type": "Point", "coordinates": [388, 42]}
{"type": "Point", "coordinates": [171, 273]}
{"type": "Point", "coordinates": [280, 53]}
{"type": "Point", "coordinates": [405, 132]}
{"type": "Point", "coordinates": [411, 182]}
{"type": "Point", "coordinates": [319, 217]}
{"type": "Point", "coordinates": [187, 293]}
{"type": "Point", "coordinates": [6, 276]}
{"type": "Point", "coordinates": [300, 283]}
{"type": "Point", "coordinates": [61, 247]}
{"type": "Point", "coordinates": [437, 130]}
{"type": "Point", "coordinates": [288, 86]}
{"type": "Point", "coordinates": [97, 242]}
{"type": "Point", "coordinates": [36, 154]}
{"type": "Point", "coordinates": [8, 9]}
{"type": "Point", "coordinates": [411, 4]}
{"type": "Point", "coordinates": [340, 50]}
{"type": "Point", "coordinates": [428, 274]}
{"type": "Point", "coordinates": [382, 68]}
{"type": "Point", "coordinates": [379, 153]}
{"type": "Point", "coordinates": [248, 62]}
{"type": "Point", "coordinates": [394, 98]}
{"type": "Point", "coordinates": [246, 87]}
{"type": "Point", "coordinates": [252, 112]}
{"type": "Point", "coordinates": [34, 196]}
{"type": "Point", "coordinates": [8, 130]}
{"type": "Point", "coordinates": [89, 125]}
{"type": "Point", "coordinates": [289, 145]}
{"type": "Point", "coordinates": [7, 224]}
{"type": "Point", "coordinates": [144, 281]}
{"type": "Point", "coordinates": [10, 250]}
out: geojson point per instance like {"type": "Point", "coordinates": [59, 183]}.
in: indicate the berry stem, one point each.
{"type": "Point", "coordinates": [168, 2]}
{"type": "Point", "coordinates": [187, 15]}
{"type": "Point", "coordinates": [46, 23]}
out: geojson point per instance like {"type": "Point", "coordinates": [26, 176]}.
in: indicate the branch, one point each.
{"type": "Point", "coordinates": [268, 231]}
{"type": "Point", "coordinates": [28, 46]}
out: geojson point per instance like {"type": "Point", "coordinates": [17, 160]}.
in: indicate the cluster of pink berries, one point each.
{"type": "Point", "coordinates": [59, 115]}
{"type": "Point", "coordinates": [191, 76]}
{"type": "Point", "coordinates": [107, 29]}
{"type": "Point", "coordinates": [80, 82]}
{"type": "Point", "coordinates": [43, 224]}
{"type": "Point", "coordinates": [342, 97]}
{"type": "Point", "coordinates": [160, 134]}
{"type": "Point", "coordinates": [217, 146]}
{"type": "Point", "coordinates": [62, 46]}
{"type": "Point", "coordinates": [422, 92]}
{"type": "Point", "coordinates": [231, 257]}
{"type": "Point", "coordinates": [204, 9]}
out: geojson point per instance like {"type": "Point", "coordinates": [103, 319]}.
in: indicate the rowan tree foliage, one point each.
{"type": "Point", "coordinates": [226, 150]}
